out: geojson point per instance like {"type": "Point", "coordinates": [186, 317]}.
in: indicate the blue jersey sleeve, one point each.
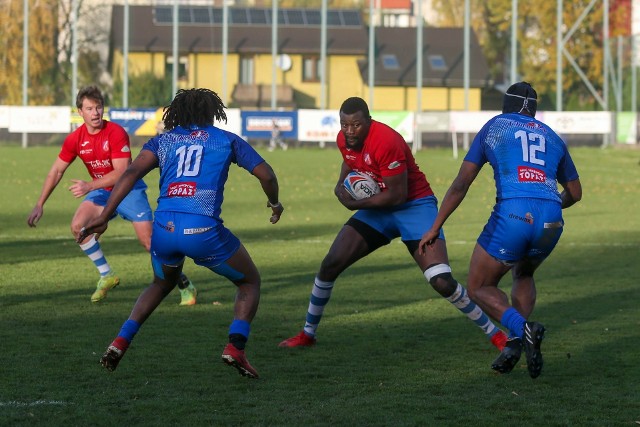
{"type": "Point", "coordinates": [245, 155]}
{"type": "Point", "coordinates": [477, 153]}
{"type": "Point", "coordinates": [567, 169]}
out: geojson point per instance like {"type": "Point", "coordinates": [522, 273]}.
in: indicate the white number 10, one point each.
{"type": "Point", "coordinates": [189, 160]}
{"type": "Point", "coordinates": [532, 143]}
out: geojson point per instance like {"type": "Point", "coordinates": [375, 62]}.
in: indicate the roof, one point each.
{"type": "Point", "coordinates": [442, 55]}
{"type": "Point", "coordinates": [146, 35]}
{"type": "Point", "coordinates": [151, 31]}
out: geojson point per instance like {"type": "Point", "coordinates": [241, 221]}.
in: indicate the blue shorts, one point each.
{"type": "Point", "coordinates": [522, 228]}
{"type": "Point", "coordinates": [177, 235]}
{"type": "Point", "coordinates": [408, 221]}
{"type": "Point", "coordinates": [135, 207]}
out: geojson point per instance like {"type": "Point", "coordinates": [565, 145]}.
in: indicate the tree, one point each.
{"type": "Point", "coordinates": [146, 90]}
{"type": "Point", "coordinates": [42, 47]}
{"type": "Point", "coordinates": [537, 47]}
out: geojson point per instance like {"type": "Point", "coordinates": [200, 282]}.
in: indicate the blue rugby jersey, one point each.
{"type": "Point", "coordinates": [194, 167]}
{"type": "Point", "coordinates": [527, 156]}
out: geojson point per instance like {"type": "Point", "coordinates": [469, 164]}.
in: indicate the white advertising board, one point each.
{"type": "Point", "coordinates": [234, 121]}
{"type": "Point", "coordinates": [318, 125]}
{"type": "Point", "coordinates": [40, 119]}
{"type": "Point", "coordinates": [580, 122]}
{"type": "Point", "coordinates": [4, 117]}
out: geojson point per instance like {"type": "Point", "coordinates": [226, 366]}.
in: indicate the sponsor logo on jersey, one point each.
{"type": "Point", "coordinates": [349, 157]}
{"type": "Point", "coordinates": [182, 189]}
{"type": "Point", "coordinates": [105, 145]}
{"type": "Point", "coordinates": [98, 164]}
{"type": "Point", "coordinates": [170, 226]}
{"type": "Point", "coordinates": [84, 144]}
{"type": "Point", "coordinates": [394, 165]}
{"type": "Point", "coordinates": [535, 126]}
{"type": "Point", "coordinates": [367, 159]}
{"type": "Point", "coordinates": [87, 151]}
{"type": "Point", "coordinates": [528, 218]}
{"type": "Point", "coordinates": [198, 230]}
{"type": "Point", "coordinates": [126, 149]}
{"type": "Point", "coordinates": [529, 174]}
{"type": "Point", "coordinates": [199, 134]}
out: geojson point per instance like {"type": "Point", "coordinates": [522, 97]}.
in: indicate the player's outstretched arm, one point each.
{"type": "Point", "coordinates": [54, 176]}
{"type": "Point", "coordinates": [452, 199]}
{"type": "Point", "coordinates": [145, 162]}
{"type": "Point", "coordinates": [269, 182]}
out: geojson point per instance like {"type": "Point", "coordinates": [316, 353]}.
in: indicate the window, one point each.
{"type": "Point", "coordinates": [183, 68]}
{"type": "Point", "coordinates": [390, 62]}
{"type": "Point", "coordinates": [311, 69]}
{"type": "Point", "coordinates": [437, 63]}
{"type": "Point", "coordinates": [246, 70]}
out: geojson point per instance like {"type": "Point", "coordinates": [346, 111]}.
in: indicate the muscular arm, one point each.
{"type": "Point", "coordinates": [452, 199]}
{"type": "Point", "coordinates": [79, 187]}
{"type": "Point", "coordinates": [571, 194]}
{"type": "Point", "coordinates": [50, 183]}
{"type": "Point", "coordinates": [269, 182]}
{"type": "Point", "coordinates": [395, 193]}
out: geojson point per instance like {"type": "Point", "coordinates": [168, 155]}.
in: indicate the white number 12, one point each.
{"type": "Point", "coordinates": [532, 143]}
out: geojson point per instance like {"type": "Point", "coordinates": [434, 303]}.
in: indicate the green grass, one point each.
{"type": "Point", "coordinates": [390, 351]}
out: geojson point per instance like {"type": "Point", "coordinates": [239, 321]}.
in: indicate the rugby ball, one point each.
{"type": "Point", "coordinates": [360, 186]}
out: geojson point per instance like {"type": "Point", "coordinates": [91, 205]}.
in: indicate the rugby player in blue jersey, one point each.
{"type": "Point", "coordinates": [194, 159]}
{"type": "Point", "coordinates": [529, 160]}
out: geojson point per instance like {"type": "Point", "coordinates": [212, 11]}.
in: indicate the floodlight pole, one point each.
{"type": "Point", "coordinates": [25, 61]}
{"type": "Point", "coordinates": [514, 37]}
{"type": "Point", "coordinates": [174, 69]}
{"type": "Point", "coordinates": [323, 55]}
{"type": "Point", "coordinates": [372, 56]}
{"type": "Point", "coordinates": [125, 59]}
{"type": "Point", "coordinates": [74, 50]}
{"type": "Point", "coordinates": [225, 48]}
{"type": "Point", "coordinates": [274, 51]}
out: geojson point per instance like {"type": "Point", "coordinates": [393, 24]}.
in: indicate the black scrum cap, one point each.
{"type": "Point", "coordinates": [519, 97]}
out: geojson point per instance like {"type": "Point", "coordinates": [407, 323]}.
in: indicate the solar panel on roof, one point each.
{"type": "Point", "coordinates": [313, 17]}
{"type": "Point", "coordinates": [295, 17]}
{"type": "Point", "coordinates": [238, 16]}
{"type": "Point", "coordinates": [184, 15]}
{"type": "Point", "coordinates": [204, 15]}
{"type": "Point", "coordinates": [162, 14]}
{"type": "Point", "coordinates": [333, 18]}
{"type": "Point", "coordinates": [257, 16]}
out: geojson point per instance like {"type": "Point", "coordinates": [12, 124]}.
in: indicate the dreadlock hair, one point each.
{"type": "Point", "coordinates": [90, 92]}
{"type": "Point", "coordinates": [194, 107]}
{"type": "Point", "coordinates": [353, 105]}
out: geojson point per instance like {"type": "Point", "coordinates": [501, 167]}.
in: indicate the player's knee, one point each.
{"type": "Point", "coordinates": [441, 279]}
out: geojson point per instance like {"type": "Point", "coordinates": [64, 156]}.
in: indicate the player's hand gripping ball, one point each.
{"type": "Point", "coordinates": [360, 186]}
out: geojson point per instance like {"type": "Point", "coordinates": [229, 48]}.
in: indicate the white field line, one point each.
{"type": "Point", "coordinates": [16, 404]}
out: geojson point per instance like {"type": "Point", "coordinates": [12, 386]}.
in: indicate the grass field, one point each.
{"type": "Point", "coordinates": [390, 351]}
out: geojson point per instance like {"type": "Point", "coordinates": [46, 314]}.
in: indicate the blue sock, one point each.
{"type": "Point", "coordinates": [241, 327]}
{"type": "Point", "coordinates": [513, 321]}
{"type": "Point", "coordinates": [320, 295]}
{"type": "Point", "coordinates": [129, 329]}
{"type": "Point", "coordinates": [94, 252]}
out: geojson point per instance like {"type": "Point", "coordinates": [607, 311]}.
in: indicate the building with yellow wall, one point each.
{"type": "Point", "coordinates": [249, 60]}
